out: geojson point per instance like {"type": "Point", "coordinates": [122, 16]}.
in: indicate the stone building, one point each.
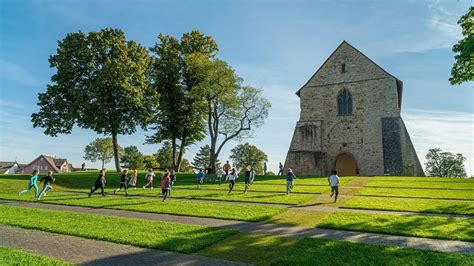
{"type": "Point", "coordinates": [350, 121]}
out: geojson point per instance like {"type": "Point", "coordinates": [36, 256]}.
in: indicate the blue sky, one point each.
{"type": "Point", "coordinates": [276, 45]}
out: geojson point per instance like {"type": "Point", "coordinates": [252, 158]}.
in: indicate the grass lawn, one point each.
{"type": "Point", "coordinates": [142, 233]}
{"type": "Point", "coordinates": [410, 179]}
{"type": "Point", "coordinates": [299, 218]}
{"type": "Point", "coordinates": [418, 193]}
{"type": "Point", "coordinates": [13, 256]}
{"type": "Point", "coordinates": [415, 205]}
{"type": "Point", "coordinates": [421, 226]}
{"type": "Point", "coordinates": [428, 185]}
{"type": "Point", "coordinates": [256, 249]}
{"type": "Point", "coordinates": [279, 188]}
{"type": "Point", "coordinates": [153, 205]}
{"type": "Point", "coordinates": [311, 251]}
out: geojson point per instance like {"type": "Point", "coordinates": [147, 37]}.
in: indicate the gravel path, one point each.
{"type": "Point", "coordinates": [274, 229]}
{"type": "Point", "coordinates": [94, 252]}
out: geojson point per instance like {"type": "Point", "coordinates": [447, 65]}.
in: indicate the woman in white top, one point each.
{"type": "Point", "coordinates": [232, 176]}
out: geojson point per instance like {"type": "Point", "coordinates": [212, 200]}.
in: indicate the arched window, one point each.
{"type": "Point", "coordinates": [344, 102]}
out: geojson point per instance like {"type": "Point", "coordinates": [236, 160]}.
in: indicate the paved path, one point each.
{"type": "Point", "coordinates": [274, 229]}
{"type": "Point", "coordinates": [94, 252]}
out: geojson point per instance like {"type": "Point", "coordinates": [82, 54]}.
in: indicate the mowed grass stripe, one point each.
{"type": "Point", "coordinates": [418, 193]}
{"type": "Point", "coordinates": [310, 251]}
{"type": "Point", "coordinates": [422, 179]}
{"type": "Point", "coordinates": [414, 205]}
{"type": "Point", "coordinates": [153, 205]}
{"type": "Point", "coordinates": [419, 226]}
{"type": "Point", "coordinates": [13, 256]}
{"type": "Point", "coordinates": [421, 185]}
{"type": "Point", "coordinates": [142, 233]}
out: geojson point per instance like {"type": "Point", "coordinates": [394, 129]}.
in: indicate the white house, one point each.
{"type": "Point", "coordinates": [9, 167]}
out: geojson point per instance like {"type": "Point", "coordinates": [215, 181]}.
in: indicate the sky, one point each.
{"type": "Point", "coordinates": [274, 45]}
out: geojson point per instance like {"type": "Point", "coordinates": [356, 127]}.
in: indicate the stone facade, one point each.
{"type": "Point", "coordinates": [370, 140]}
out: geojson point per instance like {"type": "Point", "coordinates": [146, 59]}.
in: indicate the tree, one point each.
{"type": "Point", "coordinates": [100, 149]}
{"type": "Point", "coordinates": [150, 162]}
{"type": "Point", "coordinates": [177, 118]}
{"type": "Point", "coordinates": [463, 68]}
{"type": "Point", "coordinates": [132, 158]}
{"type": "Point", "coordinates": [164, 155]}
{"type": "Point", "coordinates": [244, 155]}
{"type": "Point", "coordinates": [444, 164]}
{"type": "Point", "coordinates": [202, 158]}
{"type": "Point", "coordinates": [186, 166]}
{"type": "Point", "coordinates": [101, 83]}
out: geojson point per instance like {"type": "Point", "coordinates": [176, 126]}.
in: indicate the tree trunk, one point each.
{"type": "Point", "coordinates": [180, 154]}
{"type": "Point", "coordinates": [213, 134]}
{"type": "Point", "coordinates": [173, 145]}
{"type": "Point", "coordinates": [103, 163]}
{"type": "Point", "coordinates": [116, 152]}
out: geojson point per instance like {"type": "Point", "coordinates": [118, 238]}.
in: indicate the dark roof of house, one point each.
{"type": "Point", "coordinates": [6, 164]}
{"type": "Point", "coordinates": [399, 82]}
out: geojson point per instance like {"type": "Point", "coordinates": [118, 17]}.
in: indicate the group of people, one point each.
{"type": "Point", "coordinates": [166, 182]}
{"type": "Point", "coordinates": [33, 184]}
{"type": "Point", "coordinates": [168, 179]}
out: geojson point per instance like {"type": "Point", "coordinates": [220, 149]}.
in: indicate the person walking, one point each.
{"type": "Point", "coordinates": [265, 168]}
{"type": "Point", "coordinates": [280, 172]}
{"type": "Point", "coordinates": [133, 179]}
{"type": "Point", "coordinates": [199, 178]}
{"type": "Point", "coordinates": [165, 184]}
{"type": "Point", "coordinates": [247, 180]}
{"type": "Point", "coordinates": [99, 183]}
{"type": "Point", "coordinates": [232, 176]}
{"type": "Point", "coordinates": [289, 180]}
{"type": "Point", "coordinates": [334, 184]}
{"type": "Point", "coordinates": [226, 169]}
{"type": "Point", "coordinates": [123, 182]}
{"type": "Point", "coordinates": [32, 184]}
{"type": "Point", "coordinates": [150, 175]}
{"type": "Point", "coordinates": [47, 180]}
{"type": "Point", "coordinates": [172, 179]}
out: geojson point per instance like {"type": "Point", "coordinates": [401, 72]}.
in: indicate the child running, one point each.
{"type": "Point", "coordinates": [32, 184]}
{"type": "Point", "coordinates": [165, 184]}
{"type": "Point", "coordinates": [232, 176]}
{"type": "Point", "coordinates": [149, 178]}
{"type": "Point", "coordinates": [123, 182]}
{"type": "Point", "coordinates": [99, 183]}
{"type": "Point", "coordinates": [199, 178]}
{"type": "Point", "coordinates": [247, 180]}
{"type": "Point", "coordinates": [289, 180]}
{"type": "Point", "coordinates": [46, 184]}
{"type": "Point", "coordinates": [133, 179]}
{"type": "Point", "coordinates": [220, 174]}
{"type": "Point", "coordinates": [172, 179]}
{"type": "Point", "coordinates": [334, 184]}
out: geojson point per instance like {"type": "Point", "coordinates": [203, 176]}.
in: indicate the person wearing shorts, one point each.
{"type": "Point", "coordinates": [334, 184]}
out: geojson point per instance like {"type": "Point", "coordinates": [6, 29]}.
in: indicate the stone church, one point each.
{"type": "Point", "coordinates": [350, 121]}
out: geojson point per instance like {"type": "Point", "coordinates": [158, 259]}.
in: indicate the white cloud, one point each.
{"type": "Point", "coordinates": [450, 131]}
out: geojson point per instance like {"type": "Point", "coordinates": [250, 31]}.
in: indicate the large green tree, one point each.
{"type": "Point", "coordinates": [178, 118]}
{"type": "Point", "coordinates": [246, 155]}
{"type": "Point", "coordinates": [150, 161]}
{"type": "Point", "coordinates": [445, 164]}
{"type": "Point", "coordinates": [101, 149]}
{"type": "Point", "coordinates": [202, 158]}
{"type": "Point", "coordinates": [463, 67]}
{"type": "Point", "coordinates": [132, 158]}
{"type": "Point", "coordinates": [101, 83]}
{"type": "Point", "coordinates": [233, 111]}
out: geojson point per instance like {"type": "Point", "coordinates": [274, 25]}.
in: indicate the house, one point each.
{"type": "Point", "coordinates": [46, 163]}
{"type": "Point", "coordinates": [9, 168]}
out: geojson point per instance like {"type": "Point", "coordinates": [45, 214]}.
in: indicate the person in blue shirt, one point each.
{"type": "Point", "coordinates": [32, 184]}
{"type": "Point", "coordinates": [200, 178]}
{"type": "Point", "coordinates": [289, 180]}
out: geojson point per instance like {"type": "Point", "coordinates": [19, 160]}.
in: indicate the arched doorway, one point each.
{"type": "Point", "coordinates": [345, 165]}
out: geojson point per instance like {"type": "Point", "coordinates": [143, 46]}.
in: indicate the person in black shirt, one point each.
{"type": "Point", "coordinates": [46, 184]}
{"type": "Point", "coordinates": [99, 183]}
{"type": "Point", "coordinates": [123, 182]}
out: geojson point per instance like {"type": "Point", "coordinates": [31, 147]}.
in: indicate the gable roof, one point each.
{"type": "Point", "coordinates": [55, 163]}
{"type": "Point", "coordinates": [7, 164]}
{"type": "Point", "coordinates": [399, 82]}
